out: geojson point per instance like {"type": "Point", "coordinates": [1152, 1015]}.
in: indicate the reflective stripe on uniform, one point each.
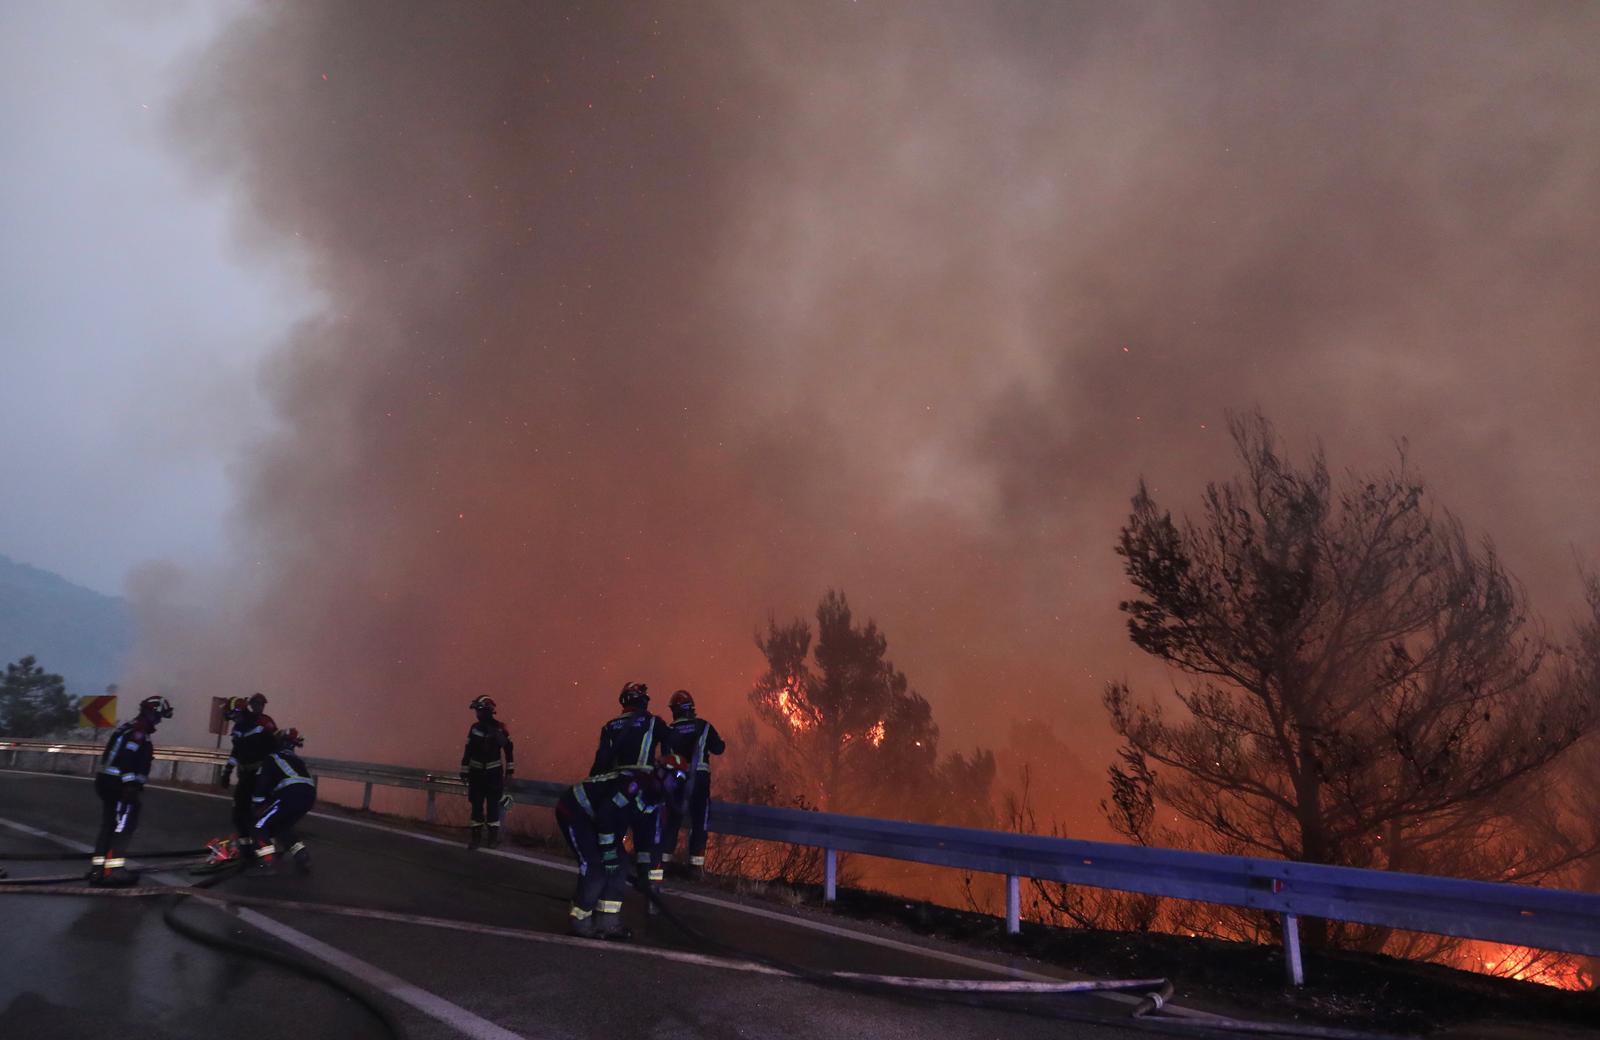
{"type": "Point", "coordinates": [115, 862]}
{"type": "Point", "coordinates": [656, 874]}
{"type": "Point", "coordinates": [291, 780]}
{"type": "Point", "coordinates": [642, 857]}
{"type": "Point", "coordinates": [697, 861]}
{"type": "Point", "coordinates": [581, 796]}
{"type": "Point", "coordinates": [610, 906]}
{"type": "Point", "coordinates": [579, 912]}
{"type": "Point", "coordinates": [484, 765]}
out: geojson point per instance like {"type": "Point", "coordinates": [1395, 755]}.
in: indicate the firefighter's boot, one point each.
{"type": "Point", "coordinates": [494, 835]}
{"type": "Point", "coordinates": [582, 924]}
{"type": "Point", "coordinates": [477, 836]}
{"type": "Point", "coordinates": [608, 925]}
{"type": "Point", "coordinates": [301, 856]}
{"type": "Point", "coordinates": [115, 874]}
{"type": "Point", "coordinates": [264, 863]}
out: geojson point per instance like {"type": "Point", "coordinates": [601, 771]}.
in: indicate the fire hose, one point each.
{"type": "Point", "coordinates": [1146, 1015]}
{"type": "Point", "coordinates": [1156, 993]}
{"type": "Point", "coordinates": [177, 897]}
{"type": "Point", "coordinates": [972, 992]}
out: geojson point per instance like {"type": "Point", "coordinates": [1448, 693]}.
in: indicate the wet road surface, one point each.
{"type": "Point", "coordinates": [75, 966]}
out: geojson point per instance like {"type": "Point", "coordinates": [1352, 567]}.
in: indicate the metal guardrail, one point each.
{"type": "Point", "coordinates": [1543, 918]}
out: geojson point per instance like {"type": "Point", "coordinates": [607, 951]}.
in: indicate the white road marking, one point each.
{"type": "Point", "coordinates": [452, 1015]}
{"type": "Point", "coordinates": [435, 1007]}
{"type": "Point", "coordinates": [726, 904]}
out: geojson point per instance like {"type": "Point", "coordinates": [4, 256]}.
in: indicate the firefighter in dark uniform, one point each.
{"type": "Point", "coordinates": [124, 768]}
{"type": "Point", "coordinates": [593, 815]}
{"type": "Point", "coordinates": [284, 792]}
{"type": "Point", "coordinates": [629, 744]}
{"type": "Point", "coordinates": [254, 738]}
{"type": "Point", "coordinates": [481, 770]}
{"type": "Point", "coordinates": [694, 800]}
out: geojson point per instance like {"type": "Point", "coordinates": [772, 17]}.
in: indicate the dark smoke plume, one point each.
{"type": "Point", "coordinates": [643, 321]}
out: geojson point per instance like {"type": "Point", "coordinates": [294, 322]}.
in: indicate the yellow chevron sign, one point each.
{"type": "Point", "coordinates": [99, 712]}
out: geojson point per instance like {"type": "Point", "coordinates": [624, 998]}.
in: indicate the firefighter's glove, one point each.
{"type": "Point", "coordinates": [227, 777]}
{"type": "Point", "coordinates": [506, 801]}
{"type": "Point", "coordinates": [464, 776]}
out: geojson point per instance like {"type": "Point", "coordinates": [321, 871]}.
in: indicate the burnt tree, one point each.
{"type": "Point", "coordinates": [1365, 685]}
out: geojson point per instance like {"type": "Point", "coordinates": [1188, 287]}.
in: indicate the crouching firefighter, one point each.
{"type": "Point", "coordinates": [592, 816]}
{"type": "Point", "coordinates": [483, 773]}
{"type": "Point", "coordinates": [124, 768]}
{"type": "Point", "coordinates": [284, 792]}
{"type": "Point", "coordinates": [694, 800]}
{"type": "Point", "coordinates": [629, 743]}
{"type": "Point", "coordinates": [255, 736]}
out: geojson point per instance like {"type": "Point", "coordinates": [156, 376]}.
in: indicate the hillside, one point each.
{"type": "Point", "coordinates": [76, 632]}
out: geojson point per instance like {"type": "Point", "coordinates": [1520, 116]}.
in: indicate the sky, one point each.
{"type": "Point", "coordinates": [537, 348]}
{"type": "Point", "coordinates": [132, 319]}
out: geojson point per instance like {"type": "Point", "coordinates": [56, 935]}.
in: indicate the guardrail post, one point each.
{"type": "Point", "coordinates": [1291, 949]}
{"type": "Point", "coordinates": [431, 816]}
{"type": "Point", "coordinates": [1013, 904]}
{"type": "Point", "coordinates": [366, 796]}
{"type": "Point", "coordinates": [830, 875]}
{"type": "Point", "coordinates": [172, 774]}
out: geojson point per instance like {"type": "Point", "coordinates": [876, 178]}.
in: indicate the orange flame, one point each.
{"type": "Point", "coordinates": [801, 715]}
{"type": "Point", "coordinates": [1528, 965]}
{"type": "Point", "coordinates": [875, 734]}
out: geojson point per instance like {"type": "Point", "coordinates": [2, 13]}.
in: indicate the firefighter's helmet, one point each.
{"type": "Point", "coordinates": [483, 704]}
{"type": "Point", "coordinates": [155, 708]}
{"type": "Point", "coordinates": [289, 739]}
{"type": "Point", "coordinates": [682, 704]}
{"type": "Point", "coordinates": [257, 701]}
{"type": "Point", "coordinates": [635, 696]}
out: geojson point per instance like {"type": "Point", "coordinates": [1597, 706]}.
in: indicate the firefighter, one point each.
{"type": "Point", "coordinates": [481, 770]}
{"type": "Point", "coordinates": [124, 768]}
{"type": "Point", "coordinates": [592, 815]}
{"type": "Point", "coordinates": [254, 738]}
{"type": "Point", "coordinates": [284, 791]}
{"type": "Point", "coordinates": [695, 797]}
{"type": "Point", "coordinates": [629, 744]}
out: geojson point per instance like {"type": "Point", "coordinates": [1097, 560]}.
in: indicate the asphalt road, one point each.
{"type": "Point", "coordinates": [491, 961]}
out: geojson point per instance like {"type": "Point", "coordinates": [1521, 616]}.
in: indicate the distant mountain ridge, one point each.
{"type": "Point", "coordinates": [78, 633]}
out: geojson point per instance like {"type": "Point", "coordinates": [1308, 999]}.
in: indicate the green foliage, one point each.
{"type": "Point", "coordinates": [33, 702]}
